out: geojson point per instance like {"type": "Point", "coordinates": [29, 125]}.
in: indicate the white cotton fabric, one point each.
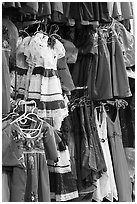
{"type": "Point", "coordinates": [106, 186]}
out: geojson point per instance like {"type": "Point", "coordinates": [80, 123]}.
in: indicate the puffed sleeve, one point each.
{"type": "Point", "coordinates": [28, 41]}
{"type": "Point", "coordinates": [59, 49]}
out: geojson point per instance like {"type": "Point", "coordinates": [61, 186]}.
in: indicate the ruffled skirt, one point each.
{"type": "Point", "coordinates": [45, 88]}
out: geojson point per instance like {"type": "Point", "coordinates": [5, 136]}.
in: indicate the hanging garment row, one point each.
{"type": "Point", "coordinates": [114, 136]}
{"type": "Point", "coordinates": [40, 61]}
{"type": "Point", "coordinates": [102, 60]}
{"type": "Point", "coordinates": [39, 157]}
{"type": "Point", "coordinates": [82, 12]}
{"type": "Point", "coordinates": [88, 125]}
{"type": "Point", "coordinates": [85, 148]}
{"type": "Point", "coordinates": [37, 59]}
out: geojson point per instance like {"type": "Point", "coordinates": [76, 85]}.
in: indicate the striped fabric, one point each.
{"type": "Point", "coordinates": [43, 83]}
{"type": "Point", "coordinates": [62, 184]}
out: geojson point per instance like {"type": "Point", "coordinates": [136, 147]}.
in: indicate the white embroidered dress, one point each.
{"type": "Point", "coordinates": [44, 84]}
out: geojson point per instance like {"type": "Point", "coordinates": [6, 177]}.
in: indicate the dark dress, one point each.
{"type": "Point", "coordinates": [99, 78]}
{"type": "Point", "coordinates": [30, 177]}
{"type": "Point", "coordinates": [89, 11]}
{"type": "Point", "coordinates": [120, 84]}
{"type": "Point", "coordinates": [108, 69]}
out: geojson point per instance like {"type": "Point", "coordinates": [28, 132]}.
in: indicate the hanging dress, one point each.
{"type": "Point", "coordinates": [37, 76]}
{"type": "Point", "coordinates": [108, 68]}
{"type": "Point", "coordinates": [28, 159]}
{"type": "Point", "coordinates": [106, 186]}
{"type": "Point", "coordinates": [122, 178]}
{"type": "Point", "coordinates": [63, 185]}
{"type": "Point", "coordinates": [45, 84]}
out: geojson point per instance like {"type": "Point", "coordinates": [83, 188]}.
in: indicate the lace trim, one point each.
{"type": "Point", "coordinates": [34, 151]}
{"type": "Point", "coordinates": [64, 197]}
{"type": "Point", "coordinates": [61, 113]}
{"type": "Point", "coordinates": [60, 170]}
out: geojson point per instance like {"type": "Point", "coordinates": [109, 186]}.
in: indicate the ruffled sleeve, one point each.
{"type": "Point", "coordinates": [59, 49]}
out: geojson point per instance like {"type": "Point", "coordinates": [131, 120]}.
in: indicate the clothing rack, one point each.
{"type": "Point", "coordinates": [80, 100]}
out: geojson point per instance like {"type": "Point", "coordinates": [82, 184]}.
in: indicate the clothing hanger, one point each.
{"type": "Point", "coordinates": [28, 24]}
{"type": "Point", "coordinates": [99, 108]}
{"type": "Point", "coordinates": [34, 132]}
{"type": "Point", "coordinates": [24, 117]}
{"type": "Point", "coordinates": [121, 103]}
{"type": "Point", "coordinates": [41, 31]}
{"type": "Point", "coordinates": [84, 97]}
{"type": "Point", "coordinates": [79, 102]}
{"type": "Point", "coordinates": [105, 105]}
{"type": "Point", "coordinates": [23, 105]}
{"type": "Point", "coordinates": [38, 31]}
{"type": "Point", "coordinates": [10, 115]}
{"type": "Point", "coordinates": [14, 112]}
{"type": "Point", "coordinates": [53, 32]}
{"type": "Point", "coordinates": [56, 36]}
{"type": "Point", "coordinates": [29, 117]}
{"type": "Point", "coordinates": [31, 133]}
{"type": "Point", "coordinates": [107, 26]}
{"type": "Point", "coordinates": [110, 102]}
{"type": "Point", "coordinates": [23, 32]}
